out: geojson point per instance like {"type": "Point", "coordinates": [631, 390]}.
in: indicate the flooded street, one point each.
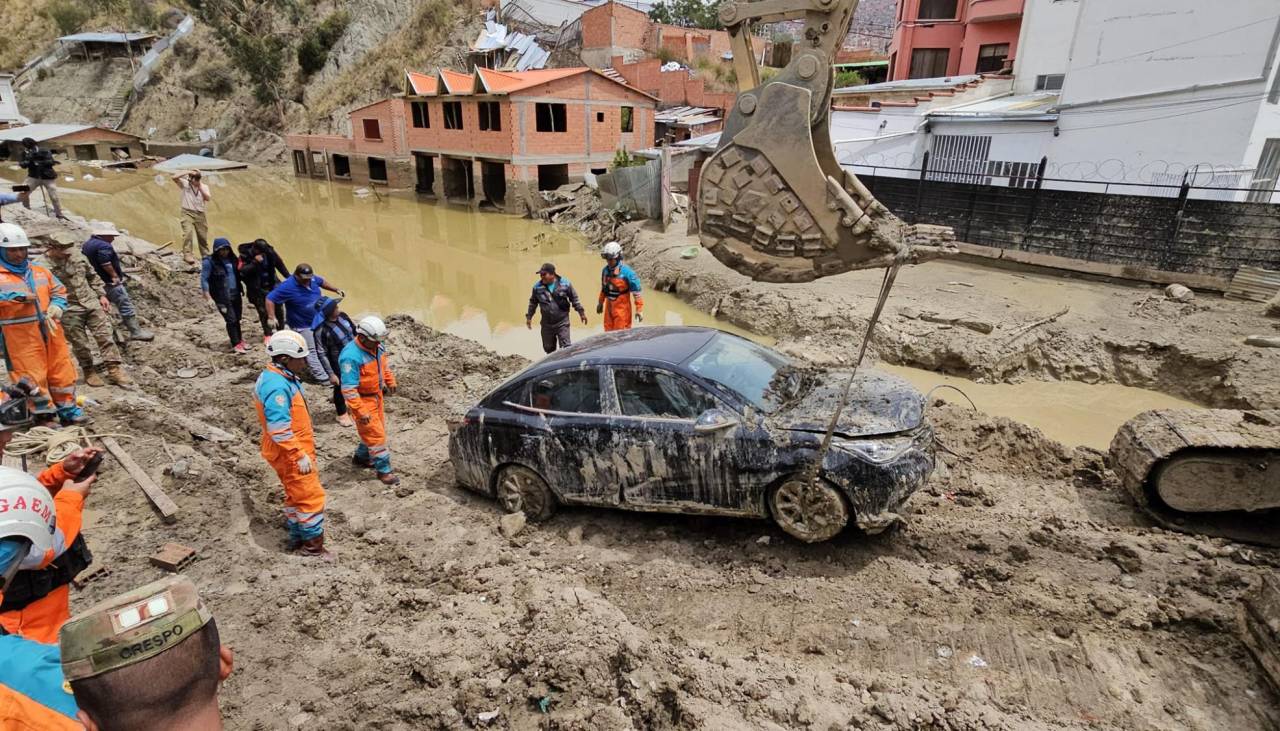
{"type": "Point", "coordinates": [1071, 412]}
{"type": "Point", "coordinates": [469, 274]}
{"type": "Point", "coordinates": [465, 273]}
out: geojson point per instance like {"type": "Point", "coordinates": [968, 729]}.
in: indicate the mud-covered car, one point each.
{"type": "Point", "coordinates": [695, 420]}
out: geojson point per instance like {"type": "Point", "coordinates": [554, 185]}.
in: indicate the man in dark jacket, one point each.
{"type": "Point", "coordinates": [220, 283]}
{"type": "Point", "coordinates": [39, 164]}
{"type": "Point", "coordinates": [259, 264]}
{"type": "Point", "coordinates": [553, 295]}
{"type": "Point", "coordinates": [333, 330]}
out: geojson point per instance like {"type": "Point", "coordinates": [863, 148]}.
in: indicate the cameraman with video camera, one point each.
{"type": "Point", "coordinates": [39, 163]}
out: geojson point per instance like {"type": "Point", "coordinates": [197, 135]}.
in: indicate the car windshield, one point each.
{"type": "Point", "coordinates": [764, 378]}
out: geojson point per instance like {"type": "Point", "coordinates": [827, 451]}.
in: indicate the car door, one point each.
{"type": "Point", "coordinates": [568, 442]}
{"type": "Point", "coordinates": [670, 462]}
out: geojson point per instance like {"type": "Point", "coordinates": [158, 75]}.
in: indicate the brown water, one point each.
{"type": "Point", "coordinates": [469, 274]}
{"type": "Point", "coordinates": [462, 272]}
{"type": "Point", "coordinates": [1070, 412]}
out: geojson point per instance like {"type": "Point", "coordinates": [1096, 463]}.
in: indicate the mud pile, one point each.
{"type": "Point", "coordinates": [1023, 592]}
{"type": "Point", "coordinates": [991, 324]}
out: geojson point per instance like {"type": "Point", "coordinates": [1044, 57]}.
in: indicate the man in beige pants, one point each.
{"type": "Point", "coordinates": [195, 227]}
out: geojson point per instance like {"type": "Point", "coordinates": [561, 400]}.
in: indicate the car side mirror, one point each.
{"type": "Point", "coordinates": [714, 420]}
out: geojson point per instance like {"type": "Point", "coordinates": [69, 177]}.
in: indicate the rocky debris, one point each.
{"type": "Point", "coordinates": [1179, 293]}
{"type": "Point", "coordinates": [661, 621]}
{"type": "Point", "coordinates": [579, 208]}
{"type": "Point", "coordinates": [1191, 350]}
{"type": "Point", "coordinates": [1273, 307]}
{"type": "Point", "coordinates": [511, 524]}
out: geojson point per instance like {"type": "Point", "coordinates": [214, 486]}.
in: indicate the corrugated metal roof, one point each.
{"type": "Point", "coordinates": [686, 116]}
{"type": "Point", "coordinates": [940, 82]}
{"type": "Point", "coordinates": [1254, 283]}
{"type": "Point", "coordinates": [41, 132]}
{"type": "Point", "coordinates": [1035, 107]}
{"type": "Point", "coordinates": [198, 162]}
{"type": "Point", "coordinates": [106, 37]}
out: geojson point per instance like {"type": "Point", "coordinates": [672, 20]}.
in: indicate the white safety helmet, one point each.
{"type": "Point", "coordinates": [372, 327]}
{"type": "Point", "coordinates": [12, 236]}
{"type": "Point", "coordinates": [27, 520]}
{"type": "Point", "coordinates": [611, 250]}
{"type": "Point", "coordinates": [287, 342]}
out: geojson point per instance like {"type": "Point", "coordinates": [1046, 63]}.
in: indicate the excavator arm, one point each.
{"type": "Point", "coordinates": [773, 202]}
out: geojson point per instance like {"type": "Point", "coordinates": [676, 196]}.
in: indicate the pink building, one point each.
{"type": "Point", "coordinates": [953, 37]}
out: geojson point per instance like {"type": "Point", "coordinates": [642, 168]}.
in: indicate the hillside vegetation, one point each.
{"type": "Point", "coordinates": [252, 69]}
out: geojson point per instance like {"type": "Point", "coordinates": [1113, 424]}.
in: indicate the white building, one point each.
{"type": "Point", "coordinates": [1140, 92]}
{"type": "Point", "coordinates": [9, 115]}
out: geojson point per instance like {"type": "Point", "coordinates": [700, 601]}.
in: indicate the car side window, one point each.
{"type": "Point", "coordinates": [576, 391]}
{"type": "Point", "coordinates": [647, 392]}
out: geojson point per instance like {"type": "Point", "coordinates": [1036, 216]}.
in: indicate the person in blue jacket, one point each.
{"type": "Point", "coordinates": [220, 283]}
{"type": "Point", "coordinates": [299, 294]}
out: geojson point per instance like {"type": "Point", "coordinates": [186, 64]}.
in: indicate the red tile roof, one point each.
{"type": "Point", "coordinates": [421, 84]}
{"type": "Point", "coordinates": [490, 81]}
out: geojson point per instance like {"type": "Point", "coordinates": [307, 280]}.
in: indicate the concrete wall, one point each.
{"type": "Point", "coordinates": [1044, 42]}
{"type": "Point", "coordinates": [1210, 238]}
{"type": "Point", "coordinates": [1163, 45]}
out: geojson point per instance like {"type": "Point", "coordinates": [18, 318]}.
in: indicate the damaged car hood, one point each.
{"type": "Point", "coordinates": [879, 403]}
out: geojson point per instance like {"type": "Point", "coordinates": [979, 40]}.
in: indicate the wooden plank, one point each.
{"type": "Point", "coordinates": [167, 508]}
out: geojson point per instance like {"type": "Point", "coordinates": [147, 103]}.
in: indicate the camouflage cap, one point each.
{"type": "Point", "coordinates": [63, 239]}
{"type": "Point", "coordinates": [132, 627]}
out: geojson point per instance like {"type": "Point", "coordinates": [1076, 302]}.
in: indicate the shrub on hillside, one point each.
{"type": "Point", "coordinates": [313, 51]}
{"type": "Point", "coordinates": [215, 79]}
{"type": "Point", "coordinates": [68, 15]}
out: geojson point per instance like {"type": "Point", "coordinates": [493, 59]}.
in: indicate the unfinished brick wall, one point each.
{"type": "Point", "coordinates": [673, 88]}
{"type": "Point", "coordinates": [389, 115]}
{"type": "Point", "coordinates": [470, 138]}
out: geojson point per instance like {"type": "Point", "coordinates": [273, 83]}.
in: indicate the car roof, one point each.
{"type": "Point", "coordinates": [662, 344]}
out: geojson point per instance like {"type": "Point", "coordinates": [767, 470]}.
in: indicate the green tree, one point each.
{"type": "Point", "coordinates": [68, 15]}
{"type": "Point", "coordinates": [849, 78]}
{"type": "Point", "coordinates": [314, 49]}
{"type": "Point", "coordinates": [687, 13]}
{"type": "Point", "coordinates": [246, 31]}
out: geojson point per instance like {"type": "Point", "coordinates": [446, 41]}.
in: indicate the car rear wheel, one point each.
{"type": "Point", "coordinates": [521, 490]}
{"type": "Point", "coordinates": [810, 511]}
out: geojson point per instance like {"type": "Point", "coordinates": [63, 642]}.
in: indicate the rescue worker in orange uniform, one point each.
{"type": "Point", "coordinates": [33, 694]}
{"type": "Point", "coordinates": [36, 600]}
{"type": "Point", "coordinates": [32, 301]}
{"type": "Point", "coordinates": [288, 441]}
{"type": "Point", "coordinates": [618, 284]}
{"type": "Point", "coordinates": [365, 379]}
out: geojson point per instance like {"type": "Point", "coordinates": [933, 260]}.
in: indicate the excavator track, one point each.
{"type": "Point", "coordinates": [1208, 471]}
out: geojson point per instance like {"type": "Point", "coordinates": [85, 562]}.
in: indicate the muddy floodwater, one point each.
{"type": "Point", "coordinates": [469, 274]}
{"type": "Point", "coordinates": [1071, 412]}
{"type": "Point", "coordinates": [466, 273]}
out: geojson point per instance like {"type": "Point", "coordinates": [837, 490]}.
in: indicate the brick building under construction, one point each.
{"type": "Point", "coordinates": [488, 137]}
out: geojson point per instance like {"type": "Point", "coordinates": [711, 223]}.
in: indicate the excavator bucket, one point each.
{"type": "Point", "coordinates": [773, 201]}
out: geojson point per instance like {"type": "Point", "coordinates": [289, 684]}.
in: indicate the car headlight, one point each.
{"type": "Point", "coordinates": [877, 451]}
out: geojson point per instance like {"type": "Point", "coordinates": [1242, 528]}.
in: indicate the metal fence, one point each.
{"type": "Point", "coordinates": [1176, 228]}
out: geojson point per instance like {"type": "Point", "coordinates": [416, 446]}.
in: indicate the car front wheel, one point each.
{"type": "Point", "coordinates": [521, 490]}
{"type": "Point", "coordinates": [811, 511]}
